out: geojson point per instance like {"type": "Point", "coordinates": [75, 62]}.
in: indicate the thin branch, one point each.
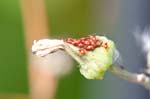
{"type": "Point", "coordinates": [141, 79]}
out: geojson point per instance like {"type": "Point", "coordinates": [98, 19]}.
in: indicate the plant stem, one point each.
{"type": "Point", "coordinates": [141, 79]}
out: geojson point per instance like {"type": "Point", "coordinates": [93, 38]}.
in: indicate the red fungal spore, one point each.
{"type": "Point", "coordinates": [105, 45]}
{"type": "Point", "coordinates": [82, 39]}
{"type": "Point", "coordinates": [92, 37]}
{"type": "Point", "coordinates": [82, 51]}
{"type": "Point", "coordinates": [69, 40]}
{"type": "Point", "coordinates": [86, 43]}
{"type": "Point", "coordinates": [99, 43]}
{"type": "Point", "coordinates": [92, 43]}
{"type": "Point", "coordinates": [76, 42]}
{"type": "Point", "coordinates": [90, 47]}
{"type": "Point", "coordinates": [80, 45]}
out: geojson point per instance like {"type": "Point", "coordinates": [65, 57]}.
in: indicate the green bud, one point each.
{"type": "Point", "coordinates": [95, 63]}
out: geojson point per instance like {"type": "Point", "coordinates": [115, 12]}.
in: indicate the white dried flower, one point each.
{"type": "Point", "coordinates": [58, 63]}
{"type": "Point", "coordinates": [46, 46]}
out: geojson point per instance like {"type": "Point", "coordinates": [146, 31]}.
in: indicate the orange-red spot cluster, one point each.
{"type": "Point", "coordinates": [86, 43]}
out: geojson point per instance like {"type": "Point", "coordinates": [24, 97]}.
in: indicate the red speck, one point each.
{"type": "Point", "coordinates": [86, 42]}
{"type": "Point", "coordinates": [93, 37]}
{"type": "Point", "coordinates": [82, 51]}
{"type": "Point", "coordinates": [99, 43]}
{"type": "Point", "coordinates": [92, 43]}
{"type": "Point", "coordinates": [69, 40]}
{"type": "Point", "coordinates": [83, 38]}
{"type": "Point", "coordinates": [73, 42]}
{"type": "Point", "coordinates": [89, 48]}
{"type": "Point", "coordinates": [105, 45]}
{"type": "Point", "coordinates": [76, 42]}
{"type": "Point", "coordinates": [80, 45]}
{"type": "Point", "coordinates": [85, 46]}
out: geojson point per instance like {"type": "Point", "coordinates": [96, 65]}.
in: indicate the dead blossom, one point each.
{"type": "Point", "coordinates": [85, 44]}
{"type": "Point", "coordinates": [46, 46]}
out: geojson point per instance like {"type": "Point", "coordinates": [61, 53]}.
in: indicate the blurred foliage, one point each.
{"type": "Point", "coordinates": [66, 18]}
{"type": "Point", "coordinates": [13, 70]}
{"type": "Point", "coordinates": [69, 18]}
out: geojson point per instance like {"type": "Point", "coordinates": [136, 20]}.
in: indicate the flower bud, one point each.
{"type": "Point", "coordinates": [96, 62]}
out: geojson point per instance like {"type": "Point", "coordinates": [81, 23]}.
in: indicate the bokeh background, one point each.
{"type": "Point", "coordinates": [116, 19]}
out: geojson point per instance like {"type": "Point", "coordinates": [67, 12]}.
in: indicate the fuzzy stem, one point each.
{"type": "Point", "coordinates": [141, 79]}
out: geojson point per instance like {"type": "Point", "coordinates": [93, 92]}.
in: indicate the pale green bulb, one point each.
{"type": "Point", "coordinates": [97, 62]}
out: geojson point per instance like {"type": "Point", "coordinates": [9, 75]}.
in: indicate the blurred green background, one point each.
{"type": "Point", "coordinates": [13, 67]}
{"type": "Point", "coordinates": [71, 18]}
{"type": "Point", "coordinates": [66, 18]}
